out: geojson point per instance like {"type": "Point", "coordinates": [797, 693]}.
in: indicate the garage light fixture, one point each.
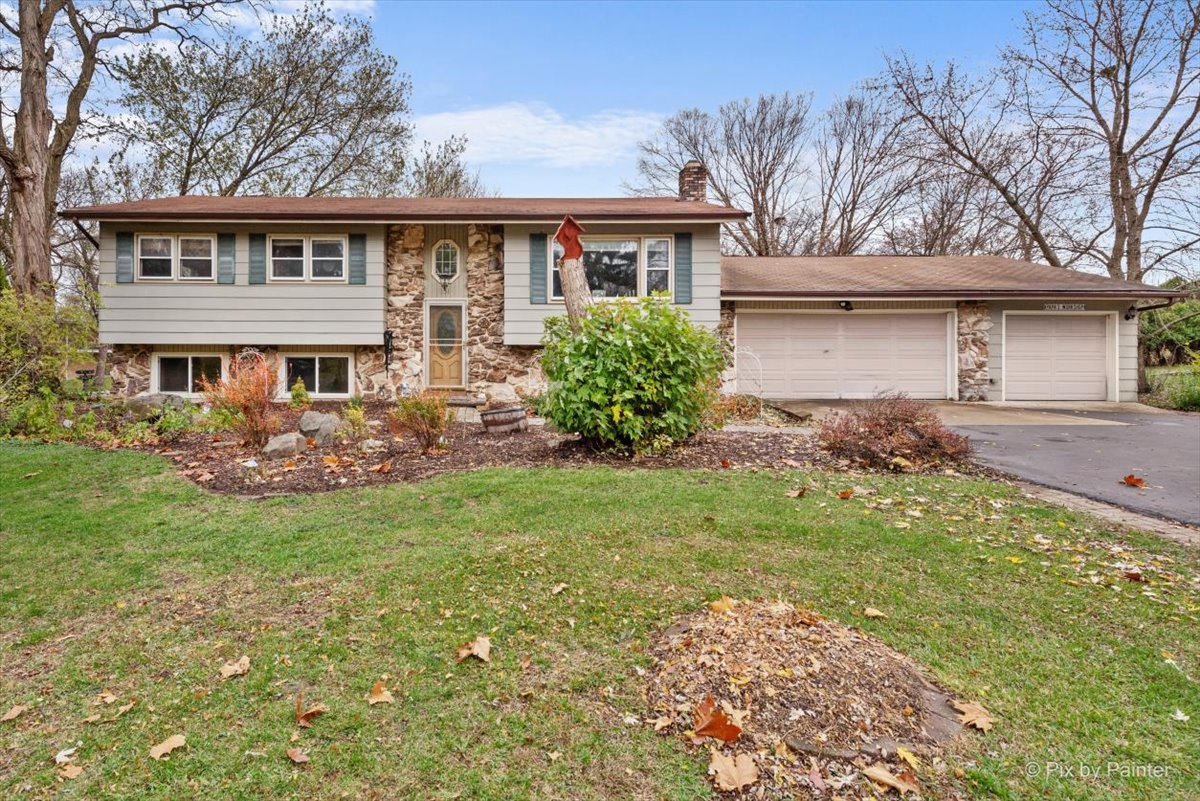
{"type": "Point", "coordinates": [846, 305]}
{"type": "Point", "coordinates": [1131, 312]}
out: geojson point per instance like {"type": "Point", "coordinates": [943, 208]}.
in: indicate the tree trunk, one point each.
{"type": "Point", "coordinates": [575, 291]}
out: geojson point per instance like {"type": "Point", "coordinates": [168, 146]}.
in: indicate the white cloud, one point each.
{"type": "Point", "coordinates": [536, 133]}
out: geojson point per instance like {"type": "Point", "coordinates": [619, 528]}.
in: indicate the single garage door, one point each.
{"type": "Point", "coordinates": [1055, 357]}
{"type": "Point", "coordinates": [843, 355]}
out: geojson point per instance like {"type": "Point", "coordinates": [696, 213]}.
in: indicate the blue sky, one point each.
{"type": "Point", "coordinates": [555, 96]}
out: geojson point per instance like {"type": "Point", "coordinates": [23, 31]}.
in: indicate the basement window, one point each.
{"type": "Point", "coordinates": [182, 374]}
{"type": "Point", "coordinates": [322, 375]}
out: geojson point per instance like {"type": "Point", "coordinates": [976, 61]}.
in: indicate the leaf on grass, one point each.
{"type": "Point", "coordinates": [107, 697]}
{"type": "Point", "coordinates": [70, 771]}
{"type": "Point", "coordinates": [973, 714]}
{"type": "Point", "coordinates": [64, 756]}
{"type": "Point", "coordinates": [909, 757]}
{"type": "Point", "coordinates": [239, 668]}
{"type": "Point", "coordinates": [662, 723]}
{"type": "Point", "coordinates": [901, 462]}
{"type": "Point", "coordinates": [846, 494]}
{"type": "Point", "coordinates": [726, 464]}
{"type": "Point", "coordinates": [383, 468]}
{"type": "Point", "coordinates": [871, 611]}
{"type": "Point", "coordinates": [712, 722]}
{"type": "Point", "coordinates": [879, 774]}
{"type": "Point", "coordinates": [13, 713]}
{"type": "Point", "coordinates": [557, 589]}
{"type": "Point", "coordinates": [121, 710]}
{"type": "Point", "coordinates": [732, 773]}
{"type": "Point", "coordinates": [92, 718]}
{"type": "Point", "coordinates": [1137, 482]}
{"type": "Point", "coordinates": [31, 475]}
{"type": "Point", "coordinates": [723, 604]}
{"type": "Point", "coordinates": [167, 746]}
{"type": "Point", "coordinates": [797, 493]}
{"type": "Point", "coordinates": [480, 648]}
{"type": "Point", "coordinates": [304, 716]}
{"type": "Point", "coordinates": [380, 694]}
{"type": "Point", "coordinates": [298, 756]}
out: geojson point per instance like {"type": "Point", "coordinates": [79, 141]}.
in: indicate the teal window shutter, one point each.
{"type": "Point", "coordinates": [683, 268]}
{"type": "Point", "coordinates": [537, 268]}
{"type": "Point", "coordinates": [358, 258]}
{"type": "Point", "coordinates": [226, 270]}
{"type": "Point", "coordinates": [258, 259]}
{"type": "Point", "coordinates": [124, 257]}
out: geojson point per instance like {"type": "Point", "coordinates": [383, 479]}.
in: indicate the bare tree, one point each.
{"type": "Point", "coordinates": [440, 171]}
{"type": "Point", "coordinates": [864, 175]}
{"type": "Point", "coordinates": [948, 212]}
{"type": "Point", "coordinates": [51, 106]}
{"type": "Point", "coordinates": [754, 151]}
{"type": "Point", "coordinates": [308, 106]}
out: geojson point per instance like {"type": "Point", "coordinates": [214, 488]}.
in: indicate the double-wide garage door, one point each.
{"type": "Point", "coordinates": [843, 355]}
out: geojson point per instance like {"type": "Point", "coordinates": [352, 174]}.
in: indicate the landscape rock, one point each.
{"type": "Point", "coordinates": [282, 446]}
{"type": "Point", "coordinates": [150, 407]}
{"type": "Point", "coordinates": [502, 395]}
{"type": "Point", "coordinates": [368, 445]}
{"type": "Point", "coordinates": [320, 426]}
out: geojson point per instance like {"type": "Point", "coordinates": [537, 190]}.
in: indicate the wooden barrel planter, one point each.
{"type": "Point", "coordinates": [504, 421]}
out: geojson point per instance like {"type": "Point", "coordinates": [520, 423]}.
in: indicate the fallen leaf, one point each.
{"type": "Point", "coordinates": [64, 756]}
{"type": "Point", "coordinates": [554, 756]}
{"type": "Point", "coordinates": [92, 718]}
{"type": "Point", "coordinates": [480, 648]}
{"type": "Point", "coordinates": [167, 746]}
{"type": "Point", "coordinates": [901, 462]}
{"type": "Point", "coordinates": [871, 611]}
{"type": "Point", "coordinates": [662, 723]}
{"type": "Point", "coordinates": [205, 476]}
{"type": "Point", "coordinates": [330, 461]}
{"type": "Point", "coordinates": [732, 773]}
{"type": "Point", "coordinates": [1181, 716]}
{"type": "Point", "coordinates": [297, 756]}
{"type": "Point", "coordinates": [13, 713]}
{"type": "Point", "coordinates": [70, 771]}
{"type": "Point", "coordinates": [908, 756]}
{"type": "Point", "coordinates": [1137, 482]}
{"type": "Point", "coordinates": [712, 722]}
{"type": "Point", "coordinates": [107, 697]}
{"type": "Point", "coordinates": [881, 775]}
{"type": "Point", "coordinates": [797, 493]}
{"type": "Point", "coordinates": [31, 475]}
{"type": "Point", "coordinates": [1136, 575]}
{"type": "Point", "coordinates": [121, 710]}
{"type": "Point", "coordinates": [239, 668]}
{"type": "Point", "coordinates": [304, 716]}
{"type": "Point", "coordinates": [973, 714]}
{"type": "Point", "coordinates": [846, 494]}
{"type": "Point", "coordinates": [557, 589]}
{"type": "Point", "coordinates": [726, 464]}
{"type": "Point", "coordinates": [380, 694]}
{"type": "Point", "coordinates": [383, 468]}
{"type": "Point", "coordinates": [289, 465]}
{"type": "Point", "coordinates": [723, 604]}
{"type": "Point", "coordinates": [814, 778]}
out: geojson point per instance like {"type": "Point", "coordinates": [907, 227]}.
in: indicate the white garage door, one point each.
{"type": "Point", "coordinates": [1055, 357]}
{"type": "Point", "coordinates": [843, 355]}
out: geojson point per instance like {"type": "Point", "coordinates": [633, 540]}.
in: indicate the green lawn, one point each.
{"type": "Point", "coordinates": [118, 576]}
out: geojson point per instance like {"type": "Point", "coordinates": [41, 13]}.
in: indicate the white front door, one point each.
{"type": "Point", "coordinates": [843, 355]}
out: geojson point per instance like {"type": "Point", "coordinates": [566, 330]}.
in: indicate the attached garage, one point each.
{"type": "Point", "coordinates": [1057, 357]}
{"type": "Point", "coordinates": [844, 354]}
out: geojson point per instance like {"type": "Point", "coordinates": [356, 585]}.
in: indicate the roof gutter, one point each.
{"type": "Point", "coordinates": [981, 294]}
{"type": "Point", "coordinates": [326, 219]}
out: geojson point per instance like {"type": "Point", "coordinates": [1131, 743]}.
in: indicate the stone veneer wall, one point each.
{"type": "Point", "coordinates": [489, 360]}
{"type": "Point", "coordinates": [974, 325]}
{"type": "Point", "coordinates": [129, 368]}
{"type": "Point", "coordinates": [405, 315]}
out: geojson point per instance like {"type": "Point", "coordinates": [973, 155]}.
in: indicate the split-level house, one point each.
{"type": "Point", "coordinates": [378, 296]}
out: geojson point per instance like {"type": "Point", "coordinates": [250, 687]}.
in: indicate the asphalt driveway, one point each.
{"type": "Point", "coordinates": [1087, 452]}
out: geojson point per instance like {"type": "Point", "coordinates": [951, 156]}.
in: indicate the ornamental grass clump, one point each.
{"type": "Point", "coordinates": [638, 375]}
{"type": "Point", "coordinates": [892, 432]}
{"type": "Point", "coordinates": [425, 417]}
{"type": "Point", "coordinates": [246, 396]}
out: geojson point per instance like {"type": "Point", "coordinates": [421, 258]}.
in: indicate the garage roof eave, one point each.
{"type": "Point", "coordinates": [955, 294]}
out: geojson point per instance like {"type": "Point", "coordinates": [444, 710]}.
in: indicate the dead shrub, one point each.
{"type": "Point", "coordinates": [247, 395]}
{"type": "Point", "coordinates": [892, 432]}
{"type": "Point", "coordinates": [425, 417]}
{"type": "Point", "coordinates": [735, 407]}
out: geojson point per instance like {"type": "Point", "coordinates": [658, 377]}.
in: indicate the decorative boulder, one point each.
{"type": "Point", "coordinates": [282, 446]}
{"type": "Point", "coordinates": [321, 427]}
{"type": "Point", "coordinates": [502, 395]}
{"type": "Point", "coordinates": [151, 407]}
{"type": "Point", "coordinates": [368, 445]}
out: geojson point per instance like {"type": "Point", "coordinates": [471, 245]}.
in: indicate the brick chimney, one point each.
{"type": "Point", "coordinates": [693, 182]}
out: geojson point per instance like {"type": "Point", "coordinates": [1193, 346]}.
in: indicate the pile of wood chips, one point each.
{"type": "Point", "coordinates": [788, 704]}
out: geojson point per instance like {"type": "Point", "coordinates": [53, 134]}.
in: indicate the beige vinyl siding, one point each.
{"type": "Point", "coordinates": [208, 313]}
{"type": "Point", "coordinates": [523, 320]}
{"type": "Point", "coordinates": [1126, 334]}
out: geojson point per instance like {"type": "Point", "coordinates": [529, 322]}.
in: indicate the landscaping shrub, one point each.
{"type": "Point", "coordinates": [300, 396]}
{"type": "Point", "coordinates": [734, 407]}
{"type": "Point", "coordinates": [356, 420]}
{"type": "Point", "coordinates": [892, 432]}
{"type": "Point", "coordinates": [1181, 389]}
{"type": "Point", "coordinates": [37, 340]}
{"type": "Point", "coordinates": [425, 417]}
{"type": "Point", "coordinates": [246, 396]}
{"type": "Point", "coordinates": [638, 374]}
{"type": "Point", "coordinates": [174, 423]}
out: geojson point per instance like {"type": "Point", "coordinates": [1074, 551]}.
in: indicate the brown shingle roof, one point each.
{"type": "Point", "coordinates": [398, 209]}
{"type": "Point", "coordinates": [915, 276]}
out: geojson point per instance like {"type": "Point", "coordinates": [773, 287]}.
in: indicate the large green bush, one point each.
{"type": "Point", "coordinates": [637, 375]}
{"type": "Point", "coordinates": [38, 338]}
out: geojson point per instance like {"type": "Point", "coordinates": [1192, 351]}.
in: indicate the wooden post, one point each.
{"type": "Point", "coordinates": [571, 273]}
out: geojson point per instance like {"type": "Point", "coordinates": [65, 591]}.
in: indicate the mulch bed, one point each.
{"type": "Point", "coordinates": [804, 707]}
{"type": "Point", "coordinates": [220, 464]}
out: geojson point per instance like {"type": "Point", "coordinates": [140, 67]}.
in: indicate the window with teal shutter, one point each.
{"type": "Point", "coordinates": [358, 258]}
{"type": "Point", "coordinates": [226, 269]}
{"type": "Point", "coordinates": [683, 268]}
{"type": "Point", "coordinates": [537, 268]}
{"type": "Point", "coordinates": [258, 259]}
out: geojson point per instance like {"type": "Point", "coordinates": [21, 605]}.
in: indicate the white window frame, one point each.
{"type": "Point", "coordinates": [138, 257]}
{"type": "Point", "coordinates": [285, 390]}
{"type": "Point", "coordinates": [176, 256]}
{"type": "Point", "coordinates": [457, 261]}
{"type": "Point", "coordinates": [212, 239]}
{"type": "Point", "coordinates": [306, 275]}
{"type": "Point", "coordinates": [155, 383]}
{"type": "Point", "coordinates": [641, 239]}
